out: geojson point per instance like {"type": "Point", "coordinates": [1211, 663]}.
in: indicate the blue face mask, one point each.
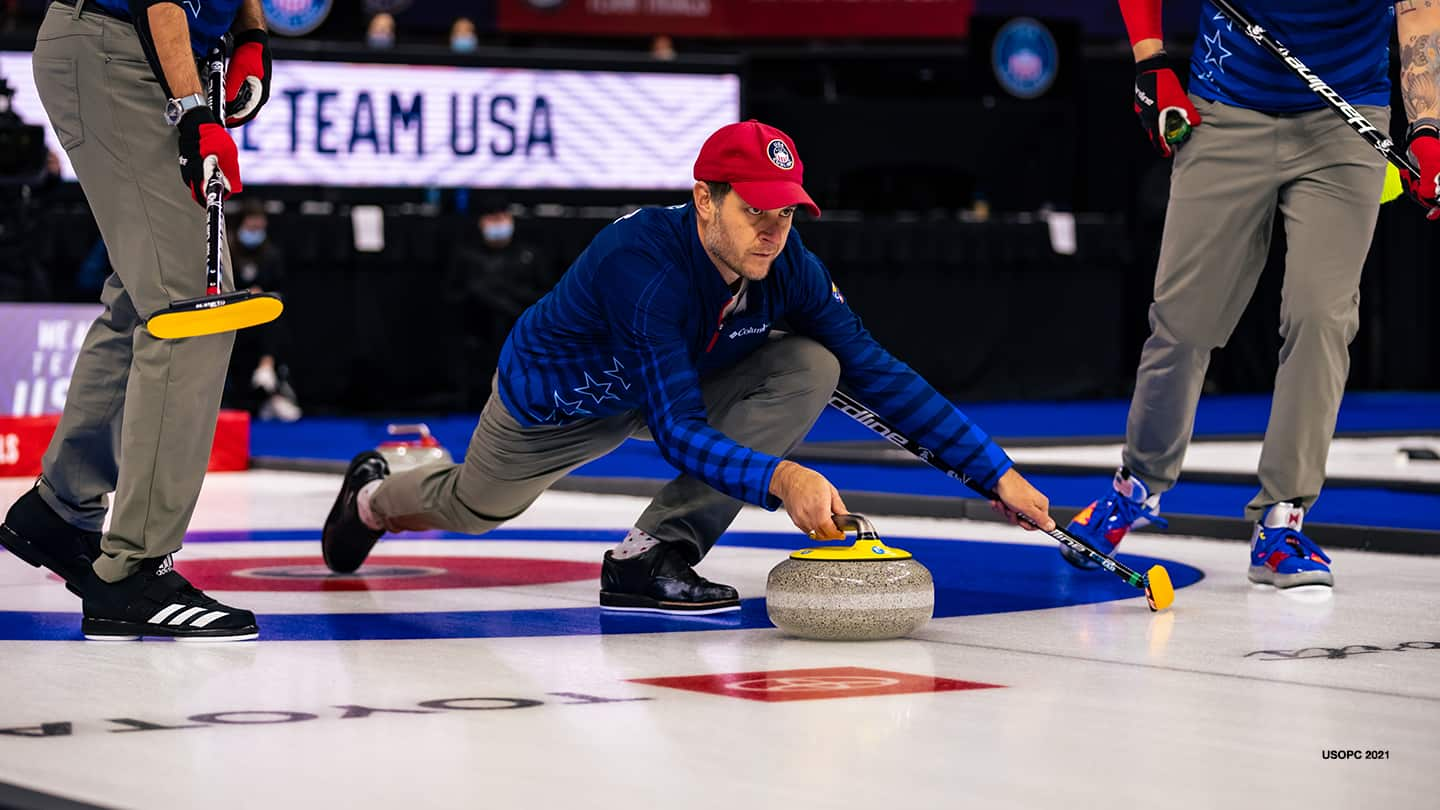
{"type": "Point", "coordinates": [463, 43]}
{"type": "Point", "coordinates": [498, 231]}
{"type": "Point", "coordinates": [251, 237]}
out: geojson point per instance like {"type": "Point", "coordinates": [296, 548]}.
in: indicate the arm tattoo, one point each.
{"type": "Point", "coordinates": [1407, 6]}
{"type": "Point", "coordinates": [1420, 75]}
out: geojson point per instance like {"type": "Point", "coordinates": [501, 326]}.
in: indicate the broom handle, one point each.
{"type": "Point", "coordinates": [853, 408]}
{"type": "Point", "coordinates": [215, 186]}
{"type": "Point", "coordinates": [1357, 121]}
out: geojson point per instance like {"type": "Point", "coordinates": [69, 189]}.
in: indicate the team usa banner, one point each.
{"type": "Point", "coordinates": [41, 343]}
{"type": "Point", "coordinates": [354, 124]}
{"type": "Point", "coordinates": [805, 19]}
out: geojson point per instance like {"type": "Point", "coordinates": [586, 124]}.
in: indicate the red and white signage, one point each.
{"type": "Point", "coordinates": [806, 19]}
{"type": "Point", "coordinates": [780, 685]}
{"type": "Point", "coordinates": [23, 440]}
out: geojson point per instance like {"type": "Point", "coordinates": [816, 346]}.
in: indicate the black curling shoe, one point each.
{"type": "Point", "coordinates": [157, 601]}
{"type": "Point", "coordinates": [34, 533]}
{"type": "Point", "coordinates": [346, 540]}
{"type": "Point", "coordinates": [661, 581]}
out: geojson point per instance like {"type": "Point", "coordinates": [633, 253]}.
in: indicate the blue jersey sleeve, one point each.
{"type": "Point", "coordinates": [646, 307]}
{"type": "Point", "coordinates": [887, 386]}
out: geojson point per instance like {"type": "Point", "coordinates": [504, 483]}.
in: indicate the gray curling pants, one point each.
{"type": "Point", "coordinates": [768, 401]}
{"type": "Point", "coordinates": [1238, 168]}
{"type": "Point", "coordinates": [140, 414]}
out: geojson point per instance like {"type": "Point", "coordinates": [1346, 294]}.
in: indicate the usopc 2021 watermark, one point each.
{"type": "Point", "coordinates": [1355, 753]}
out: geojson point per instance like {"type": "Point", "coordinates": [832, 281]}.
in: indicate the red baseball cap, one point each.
{"type": "Point", "coordinates": [759, 162]}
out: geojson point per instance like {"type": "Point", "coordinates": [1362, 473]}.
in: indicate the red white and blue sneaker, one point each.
{"type": "Point", "coordinates": [1105, 522]}
{"type": "Point", "coordinates": [1281, 556]}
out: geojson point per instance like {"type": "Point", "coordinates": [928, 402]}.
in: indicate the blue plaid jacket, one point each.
{"type": "Point", "coordinates": [635, 324]}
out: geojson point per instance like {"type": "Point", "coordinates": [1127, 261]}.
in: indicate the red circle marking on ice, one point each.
{"type": "Point", "coordinates": [381, 573]}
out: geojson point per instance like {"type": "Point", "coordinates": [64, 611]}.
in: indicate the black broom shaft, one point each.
{"type": "Point", "coordinates": [214, 187]}
{"type": "Point", "coordinates": [1356, 119]}
{"type": "Point", "coordinates": [856, 410]}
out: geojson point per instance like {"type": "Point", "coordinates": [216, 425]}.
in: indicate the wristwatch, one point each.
{"type": "Point", "coordinates": [176, 108]}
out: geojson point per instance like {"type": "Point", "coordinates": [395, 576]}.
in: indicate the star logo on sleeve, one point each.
{"type": "Point", "coordinates": [590, 388]}
{"type": "Point", "coordinates": [614, 374]}
{"type": "Point", "coordinates": [1215, 52]}
{"type": "Point", "coordinates": [569, 408]}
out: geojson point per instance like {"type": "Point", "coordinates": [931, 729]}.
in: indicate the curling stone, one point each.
{"type": "Point", "coordinates": [404, 454]}
{"type": "Point", "coordinates": [850, 593]}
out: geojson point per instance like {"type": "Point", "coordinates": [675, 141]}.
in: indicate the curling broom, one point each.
{"type": "Point", "coordinates": [1159, 591]}
{"type": "Point", "coordinates": [215, 311]}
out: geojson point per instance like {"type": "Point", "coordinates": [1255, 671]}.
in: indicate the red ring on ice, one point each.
{"type": "Point", "coordinates": [381, 573]}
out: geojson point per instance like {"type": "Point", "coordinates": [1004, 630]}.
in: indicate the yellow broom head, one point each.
{"type": "Point", "coordinates": [214, 314]}
{"type": "Point", "coordinates": [1158, 588]}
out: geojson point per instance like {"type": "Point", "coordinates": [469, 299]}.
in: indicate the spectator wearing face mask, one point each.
{"type": "Point", "coordinates": [259, 353]}
{"type": "Point", "coordinates": [493, 276]}
{"type": "Point", "coordinates": [462, 36]}
{"type": "Point", "coordinates": [380, 33]}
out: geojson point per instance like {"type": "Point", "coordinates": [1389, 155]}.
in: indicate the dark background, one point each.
{"type": "Point", "coordinates": [933, 179]}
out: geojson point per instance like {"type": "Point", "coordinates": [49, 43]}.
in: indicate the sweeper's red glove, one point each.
{"type": "Point", "coordinates": [1425, 189]}
{"type": "Point", "coordinates": [247, 80]}
{"type": "Point", "coordinates": [205, 147]}
{"type": "Point", "coordinates": [1160, 101]}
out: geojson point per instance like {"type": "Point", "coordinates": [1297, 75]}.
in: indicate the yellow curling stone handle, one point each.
{"type": "Point", "coordinates": [868, 545]}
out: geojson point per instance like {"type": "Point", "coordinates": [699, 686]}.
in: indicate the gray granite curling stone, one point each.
{"type": "Point", "coordinates": [850, 593]}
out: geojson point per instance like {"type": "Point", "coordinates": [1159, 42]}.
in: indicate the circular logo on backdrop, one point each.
{"type": "Point", "coordinates": [780, 154]}
{"type": "Point", "coordinates": [1025, 58]}
{"type": "Point", "coordinates": [294, 18]}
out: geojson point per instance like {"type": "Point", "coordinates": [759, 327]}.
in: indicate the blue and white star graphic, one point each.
{"type": "Point", "coordinates": [614, 373]}
{"type": "Point", "coordinates": [1215, 52]}
{"type": "Point", "coordinates": [1220, 17]}
{"type": "Point", "coordinates": [590, 387]}
{"type": "Point", "coordinates": [569, 408]}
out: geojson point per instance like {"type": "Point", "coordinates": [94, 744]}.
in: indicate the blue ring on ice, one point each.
{"type": "Point", "coordinates": [972, 578]}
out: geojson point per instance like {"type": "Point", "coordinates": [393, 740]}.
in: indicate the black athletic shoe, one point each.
{"type": "Point", "coordinates": [34, 533]}
{"type": "Point", "coordinates": [157, 601]}
{"type": "Point", "coordinates": [661, 581]}
{"type": "Point", "coordinates": [346, 540]}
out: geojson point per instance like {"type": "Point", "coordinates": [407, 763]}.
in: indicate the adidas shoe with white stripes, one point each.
{"type": "Point", "coordinates": [157, 601]}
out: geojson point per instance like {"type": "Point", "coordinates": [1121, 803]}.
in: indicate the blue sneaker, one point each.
{"type": "Point", "coordinates": [1104, 523]}
{"type": "Point", "coordinates": [1281, 556]}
